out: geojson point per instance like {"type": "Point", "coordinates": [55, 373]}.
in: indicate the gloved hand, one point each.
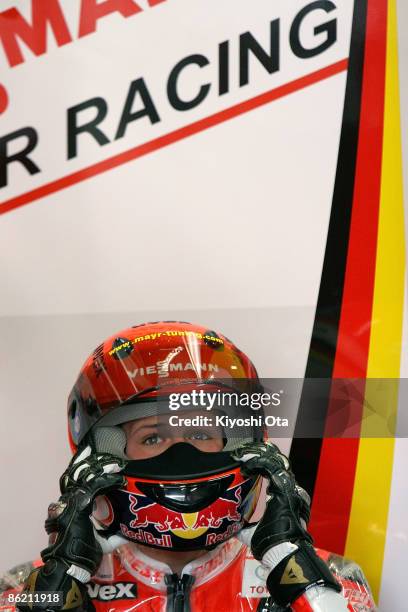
{"type": "Point", "coordinates": [73, 554]}
{"type": "Point", "coordinates": [280, 539]}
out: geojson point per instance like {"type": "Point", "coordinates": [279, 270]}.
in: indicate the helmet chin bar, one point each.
{"type": "Point", "coordinates": [183, 499]}
{"type": "Point", "coordinates": [181, 461]}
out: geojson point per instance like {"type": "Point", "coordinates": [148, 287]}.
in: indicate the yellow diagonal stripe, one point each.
{"type": "Point", "coordinates": [368, 518]}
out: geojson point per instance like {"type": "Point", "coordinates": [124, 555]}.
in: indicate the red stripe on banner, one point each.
{"type": "Point", "coordinates": [335, 480]}
{"type": "Point", "coordinates": [175, 136]}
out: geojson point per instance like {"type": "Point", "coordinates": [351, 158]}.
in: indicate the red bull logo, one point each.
{"type": "Point", "coordinates": [216, 538]}
{"type": "Point", "coordinates": [185, 525]}
{"type": "Point", "coordinates": [228, 508]}
{"type": "Point", "coordinates": [145, 537]}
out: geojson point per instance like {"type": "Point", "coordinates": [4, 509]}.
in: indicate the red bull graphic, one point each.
{"type": "Point", "coordinates": [164, 519]}
{"type": "Point", "coordinates": [142, 518]}
{"type": "Point", "coordinates": [228, 508]}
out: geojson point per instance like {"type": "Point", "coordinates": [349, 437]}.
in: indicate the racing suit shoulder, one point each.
{"type": "Point", "coordinates": [351, 577]}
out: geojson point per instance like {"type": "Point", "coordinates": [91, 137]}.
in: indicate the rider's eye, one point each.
{"type": "Point", "coordinates": [152, 439]}
{"type": "Point", "coordinates": [199, 435]}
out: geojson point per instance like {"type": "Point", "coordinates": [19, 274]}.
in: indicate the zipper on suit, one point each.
{"type": "Point", "coordinates": [178, 592]}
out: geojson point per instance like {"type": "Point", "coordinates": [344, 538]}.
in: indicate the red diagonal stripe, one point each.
{"type": "Point", "coordinates": [175, 136]}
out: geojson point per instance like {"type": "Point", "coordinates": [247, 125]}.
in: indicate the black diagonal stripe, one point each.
{"type": "Point", "coordinates": [305, 451]}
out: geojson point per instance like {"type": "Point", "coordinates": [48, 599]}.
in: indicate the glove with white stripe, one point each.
{"type": "Point", "coordinates": [74, 553]}
{"type": "Point", "coordinates": [280, 539]}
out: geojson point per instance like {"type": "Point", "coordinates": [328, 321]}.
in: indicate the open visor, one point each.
{"type": "Point", "coordinates": [219, 417]}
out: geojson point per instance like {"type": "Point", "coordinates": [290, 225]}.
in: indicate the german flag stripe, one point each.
{"type": "Point", "coordinates": [372, 487]}
{"type": "Point", "coordinates": [351, 478]}
{"type": "Point", "coordinates": [333, 496]}
{"type": "Point", "coordinates": [305, 452]}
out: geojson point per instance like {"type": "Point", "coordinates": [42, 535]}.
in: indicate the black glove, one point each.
{"type": "Point", "coordinates": [73, 554]}
{"type": "Point", "coordinates": [294, 562]}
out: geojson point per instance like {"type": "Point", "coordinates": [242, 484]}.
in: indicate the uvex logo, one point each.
{"type": "Point", "coordinates": [107, 592]}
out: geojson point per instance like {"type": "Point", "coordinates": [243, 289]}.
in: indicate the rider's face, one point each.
{"type": "Point", "coordinates": [151, 436]}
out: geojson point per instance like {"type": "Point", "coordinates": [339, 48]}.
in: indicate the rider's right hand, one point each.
{"type": "Point", "coordinates": [73, 554]}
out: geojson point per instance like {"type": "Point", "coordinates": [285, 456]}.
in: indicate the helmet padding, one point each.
{"type": "Point", "coordinates": [110, 440]}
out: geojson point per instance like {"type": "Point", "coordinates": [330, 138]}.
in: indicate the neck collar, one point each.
{"type": "Point", "coordinates": [152, 572]}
